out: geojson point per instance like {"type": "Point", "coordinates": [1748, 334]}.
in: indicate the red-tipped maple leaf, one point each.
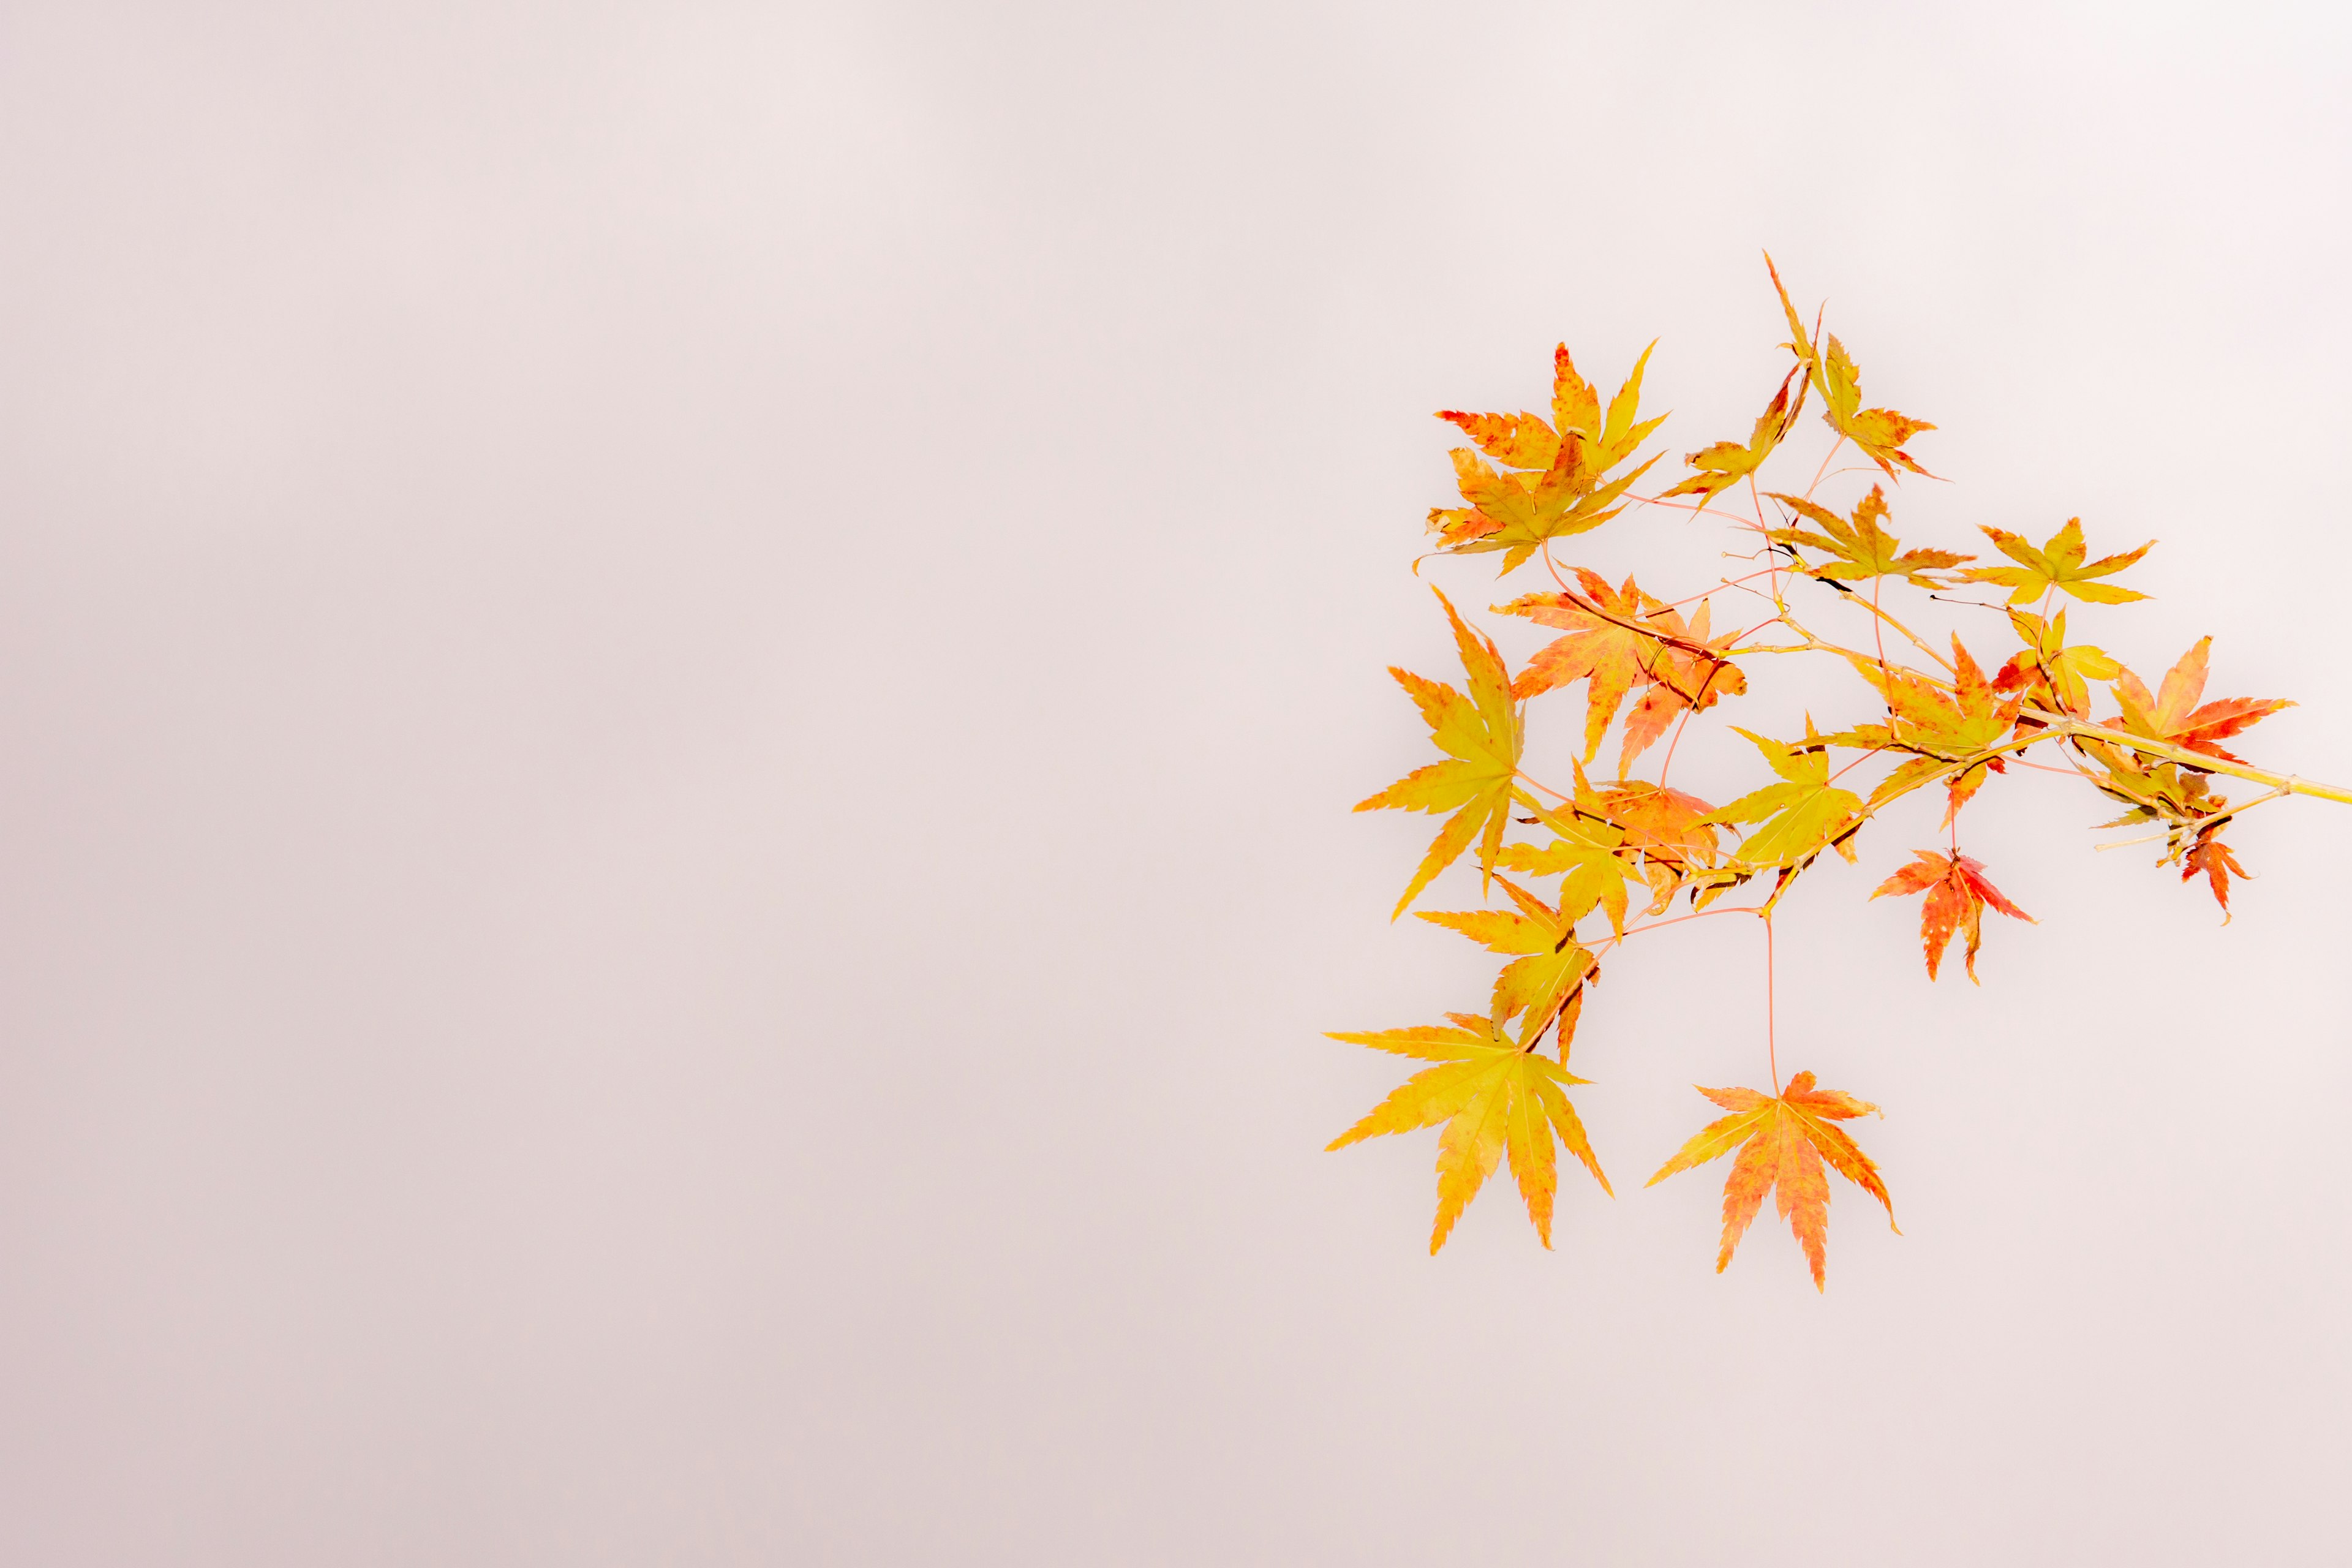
{"type": "Point", "coordinates": [2174, 715]}
{"type": "Point", "coordinates": [1554, 480]}
{"type": "Point", "coordinates": [1782, 1141]}
{"type": "Point", "coordinates": [1958, 892]}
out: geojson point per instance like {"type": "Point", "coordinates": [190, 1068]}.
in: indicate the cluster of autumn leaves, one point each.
{"type": "Point", "coordinates": [1623, 851]}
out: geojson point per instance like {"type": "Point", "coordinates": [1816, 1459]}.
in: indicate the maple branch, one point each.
{"type": "Point", "coordinates": [1635, 931]}
{"type": "Point", "coordinates": [1722, 583]}
{"type": "Point", "coordinates": [2284, 784]}
{"type": "Point", "coordinates": [1813, 644]}
{"type": "Point", "coordinates": [1526, 777]}
{"type": "Point", "coordinates": [1906, 631]}
{"type": "Point", "coordinates": [1821, 472]}
{"type": "Point", "coordinates": [1685, 506]}
{"type": "Point", "coordinates": [2203, 825]}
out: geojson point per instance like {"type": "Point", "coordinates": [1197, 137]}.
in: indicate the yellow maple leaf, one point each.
{"type": "Point", "coordinates": [1495, 1099]}
{"type": "Point", "coordinates": [1481, 736]}
{"type": "Point", "coordinates": [2058, 564]}
{"type": "Point", "coordinates": [1879, 432]}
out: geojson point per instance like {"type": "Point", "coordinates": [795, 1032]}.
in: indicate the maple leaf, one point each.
{"type": "Point", "coordinates": [1550, 965]}
{"type": "Point", "coordinates": [1803, 815]}
{"type": "Point", "coordinates": [1659, 821]}
{"type": "Point", "coordinates": [1576, 408]}
{"type": "Point", "coordinates": [1726, 463]}
{"type": "Point", "coordinates": [2213, 857]}
{"type": "Point", "coordinates": [2048, 668]}
{"type": "Point", "coordinates": [1587, 853]}
{"type": "Point", "coordinates": [1619, 638]}
{"type": "Point", "coordinates": [2057, 564]}
{"type": "Point", "coordinates": [1689, 673]}
{"type": "Point", "coordinates": [1940, 726]}
{"type": "Point", "coordinates": [1783, 1141]}
{"type": "Point", "coordinates": [1553, 487]}
{"type": "Point", "coordinates": [1481, 737]}
{"type": "Point", "coordinates": [1514, 440]}
{"type": "Point", "coordinates": [1879, 432]}
{"type": "Point", "coordinates": [1495, 1099]}
{"type": "Point", "coordinates": [1862, 549]}
{"type": "Point", "coordinates": [1604, 645]}
{"type": "Point", "coordinates": [2174, 715]}
{"type": "Point", "coordinates": [1958, 892]}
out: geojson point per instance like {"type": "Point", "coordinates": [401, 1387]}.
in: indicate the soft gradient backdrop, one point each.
{"type": "Point", "coordinates": [680, 684]}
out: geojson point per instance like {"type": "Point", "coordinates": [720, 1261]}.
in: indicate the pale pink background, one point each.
{"type": "Point", "coordinates": [680, 684]}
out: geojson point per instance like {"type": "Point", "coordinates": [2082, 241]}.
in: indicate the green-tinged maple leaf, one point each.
{"type": "Point", "coordinates": [1783, 1141]}
{"type": "Point", "coordinates": [1803, 815]}
{"type": "Point", "coordinates": [1481, 736]}
{"type": "Point", "coordinates": [1958, 892]}
{"type": "Point", "coordinates": [1494, 1099]}
{"type": "Point", "coordinates": [1588, 854]}
{"type": "Point", "coordinates": [1938, 725]}
{"type": "Point", "coordinates": [1554, 482]}
{"type": "Point", "coordinates": [1861, 548]}
{"type": "Point", "coordinates": [2058, 564]}
{"type": "Point", "coordinates": [2174, 714]}
{"type": "Point", "coordinates": [2049, 669]}
{"type": "Point", "coordinates": [1549, 964]}
{"type": "Point", "coordinates": [1879, 432]}
{"type": "Point", "coordinates": [1726, 463]}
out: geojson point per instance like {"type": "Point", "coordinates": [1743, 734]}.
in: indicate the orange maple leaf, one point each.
{"type": "Point", "coordinates": [2213, 857]}
{"type": "Point", "coordinates": [1690, 673]}
{"type": "Point", "coordinates": [1782, 1141]}
{"type": "Point", "coordinates": [1958, 895]}
{"type": "Point", "coordinates": [1605, 645]}
{"type": "Point", "coordinates": [2174, 715]}
{"type": "Point", "coordinates": [1618, 638]}
{"type": "Point", "coordinates": [1942, 727]}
